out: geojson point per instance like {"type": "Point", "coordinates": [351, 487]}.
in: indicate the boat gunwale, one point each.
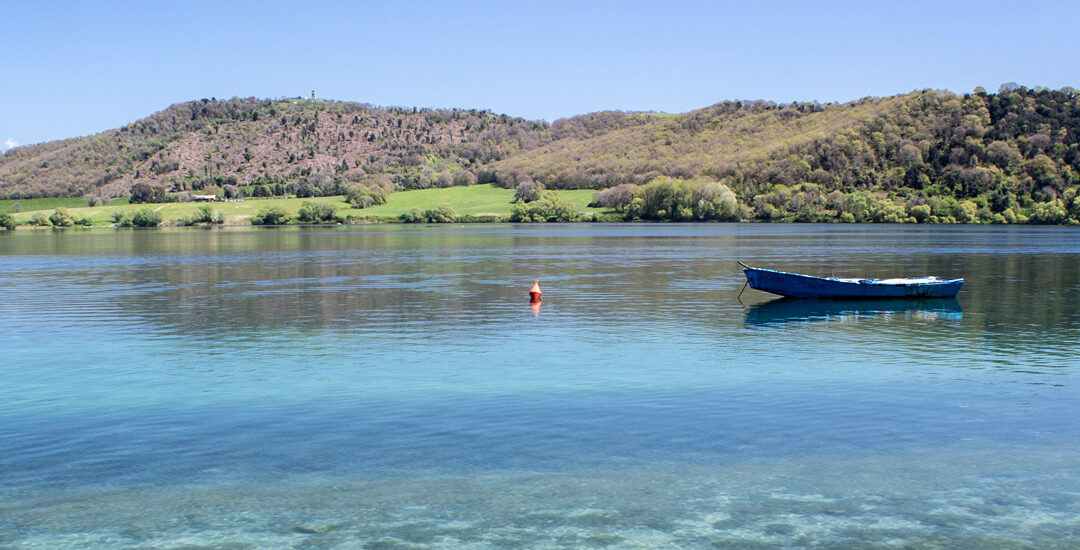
{"type": "Point", "coordinates": [854, 281]}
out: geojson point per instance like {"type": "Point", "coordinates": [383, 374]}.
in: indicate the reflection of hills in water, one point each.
{"type": "Point", "coordinates": [786, 310]}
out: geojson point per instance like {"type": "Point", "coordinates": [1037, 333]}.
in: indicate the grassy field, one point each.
{"type": "Point", "coordinates": [475, 200]}
{"type": "Point", "coordinates": [172, 213]}
{"type": "Point", "coordinates": [29, 205]}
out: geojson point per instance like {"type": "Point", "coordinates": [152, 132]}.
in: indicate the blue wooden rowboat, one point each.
{"type": "Point", "coordinates": [807, 286]}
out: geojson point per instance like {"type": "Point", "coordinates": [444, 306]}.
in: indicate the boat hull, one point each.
{"type": "Point", "coordinates": [806, 286]}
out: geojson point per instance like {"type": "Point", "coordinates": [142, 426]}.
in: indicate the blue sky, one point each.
{"type": "Point", "coordinates": [77, 68]}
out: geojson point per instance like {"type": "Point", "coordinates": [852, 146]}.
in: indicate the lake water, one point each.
{"type": "Point", "coordinates": [391, 387]}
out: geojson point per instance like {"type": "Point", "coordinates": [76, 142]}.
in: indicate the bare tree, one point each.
{"type": "Point", "coordinates": [528, 191]}
{"type": "Point", "coordinates": [618, 197]}
{"type": "Point", "coordinates": [464, 178]}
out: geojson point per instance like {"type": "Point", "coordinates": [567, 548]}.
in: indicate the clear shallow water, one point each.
{"type": "Point", "coordinates": [390, 387]}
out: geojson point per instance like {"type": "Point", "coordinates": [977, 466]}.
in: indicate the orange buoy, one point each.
{"type": "Point", "coordinates": [534, 292]}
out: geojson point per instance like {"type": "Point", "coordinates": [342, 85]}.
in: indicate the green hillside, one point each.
{"type": "Point", "coordinates": [708, 141]}
{"type": "Point", "coordinates": [926, 156]}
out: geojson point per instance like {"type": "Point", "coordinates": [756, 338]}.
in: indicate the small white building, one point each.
{"type": "Point", "coordinates": [203, 198]}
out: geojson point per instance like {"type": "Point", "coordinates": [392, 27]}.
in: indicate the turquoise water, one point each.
{"type": "Point", "coordinates": [390, 387]}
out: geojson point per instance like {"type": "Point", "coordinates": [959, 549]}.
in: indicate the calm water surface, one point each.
{"type": "Point", "coordinates": [390, 387]}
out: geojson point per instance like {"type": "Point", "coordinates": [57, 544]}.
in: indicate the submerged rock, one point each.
{"type": "Point", "coordinates": [314, 528]}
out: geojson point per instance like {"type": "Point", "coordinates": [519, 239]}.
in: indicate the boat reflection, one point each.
{"type": "Point", "coordinates": [788, 310]}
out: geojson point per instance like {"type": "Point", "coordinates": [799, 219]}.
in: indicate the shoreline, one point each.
{"type": "Point", "coordinates": [363, 222]}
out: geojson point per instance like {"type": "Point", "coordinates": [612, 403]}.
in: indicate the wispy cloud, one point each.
{"type": "Point", "coordinates": [9, 144]}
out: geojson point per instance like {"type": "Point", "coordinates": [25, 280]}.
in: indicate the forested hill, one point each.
{"type": "Point", "coordinates": [923, 156]}
{"type": "Point", "coordinates": [1024, 141]}
{"type": "Point", "coordinates": [1009, 151]}
{"type": "Point", "coordinates": [294, 142]}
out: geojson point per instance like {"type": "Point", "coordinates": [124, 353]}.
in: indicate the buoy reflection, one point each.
{"type": "Point", "coordinates": [534, 298]}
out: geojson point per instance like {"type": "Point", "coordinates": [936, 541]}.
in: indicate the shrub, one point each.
{"type": "Point", "coordinates": [61, 218]}
{"type": "Point", "coordinates": [40, 219]}
{"type": "Point", "coordinates": [549, 208]}
{"type": "Point", "coordinates": [693, 200]}
{"type": "Point", "coordinates": [145, 217]}
{"type": "Point", "coordinates": [966, 212]}
{"type": "Point", "coordinates": [921, 213]}
{"type": "Point", "coordinates": [414, 215]}
{"type": "Point", "coordinates": [859, 205]}
{"type": "Point", "coordinates": [205, 214]}
{"type": "Point", "coordinates": [16, 207]}
{"type": "Point", "coordinates": [272, 215]}
{"type": "Point", "coordinates": [321, 212]}
{"type": "Point", "coordinates": [1052, 212]}
{"type": "Point", "coordinates": [472, 218]}
{"type": "Point", "coordinates": [807, 214]}
{"type": "Point", "coordinates": [886, 211]}
{"type": "Point", "coordinates": [766, 212]}
{"type": "Point", "coordinates": [443, 213]}
{"type": "Point", "coordinates": [712, 201]}
{"type": "Point", "coordinates": [361, 196]}
{"type": "Point", "coordinates": [607, 217]}
{"type": "Point", "coordinates": [7, 221]}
